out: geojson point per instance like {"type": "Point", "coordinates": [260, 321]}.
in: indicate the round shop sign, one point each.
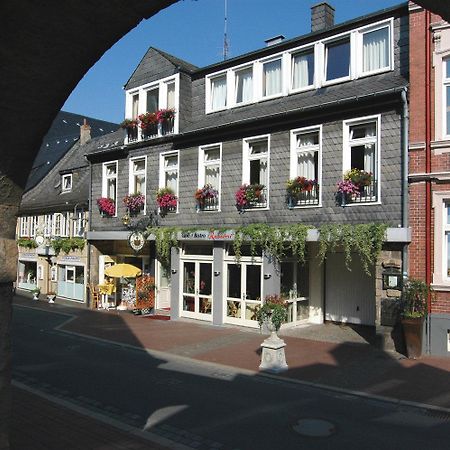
{"type": "Point", "coordinates": [136, 240]}
{"type": "Point", "coordinates": [39, 239]}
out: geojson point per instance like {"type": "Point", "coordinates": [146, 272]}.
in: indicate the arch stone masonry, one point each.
{"type": "Point", "coordinates": [45, 50]}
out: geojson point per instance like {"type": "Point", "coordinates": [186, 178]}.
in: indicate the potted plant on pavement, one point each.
{"type": "Point", "coordinates": [272, 313]}
{"type": "Point", "coordinates": [36, 291]}
{"type": "Point", "coordinates": [414, 309]}
{"type": "Point", "coordinates": [51, 295]}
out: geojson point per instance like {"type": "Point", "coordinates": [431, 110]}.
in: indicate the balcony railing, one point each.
{"type": "Point", "coordinates": [260, 202]}
{"type": "Point", "coordinates": [304, 198]}
{"type": "Point", "coordinates": [134, 134]}
{"type": "Point", "coordinates": [208, 204]}
{"type": "Point", "coordinates": [367, 194]}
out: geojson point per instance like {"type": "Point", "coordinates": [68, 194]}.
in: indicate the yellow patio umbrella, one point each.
{"type": "Point", "coordinates": [122, 270]}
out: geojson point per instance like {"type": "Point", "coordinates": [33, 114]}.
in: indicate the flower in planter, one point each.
{"type": "Point", "coordinates": [134, 202]}
{"type": "Point", "coordinates": [148, 121]}
{"type": "Point", "coordinates": [207, 192]}
{"type": "Point", "coordinates": [106, 206]}
{"type": "Point", "coordinates": [274, 310]}
{"type": "Point", "coordinates": [358, 177]}
{"type": "Point", "coordinates": [166, 198]}
{"type": "Point", "coordinates": [346, 189]}
{"type": "Point", "coordinates": [247, 194]}
{"type": "Point", "coordinates": [129, 123]}
{"type": "Point", "coordinates": [300, 184]}
{"type": "Point", "coordinates": [165, 114]}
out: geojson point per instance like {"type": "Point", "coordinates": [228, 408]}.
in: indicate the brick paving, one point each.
{"type": "Point", "coordinates": [350, 364]}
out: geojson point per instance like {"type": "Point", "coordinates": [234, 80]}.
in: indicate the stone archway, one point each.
{"type": "Point", "coordinates": [45, 49]}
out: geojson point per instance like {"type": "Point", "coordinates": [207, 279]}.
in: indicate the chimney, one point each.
{"type": "Point", "coordinates": [85, 133]}
{"type": "Point", "coordinates": [322, 16]}
{"type": "Point", "coordinates": [274, 40]}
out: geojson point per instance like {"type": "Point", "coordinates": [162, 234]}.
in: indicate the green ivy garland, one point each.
{"type": "Point", "coordinates": [364, 239]}
{"type": "Point", "coordinates": [68, 244]}
{"type": "Point", "coordinates": [27, 243]}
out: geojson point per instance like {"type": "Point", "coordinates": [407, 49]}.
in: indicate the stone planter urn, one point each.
{"type": "Point", "coordinates": [273, 357]}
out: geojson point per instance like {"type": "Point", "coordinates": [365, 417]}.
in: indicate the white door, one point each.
{"type": "Point", "coordinates": [243, 293]}
{"type": "Point", "coordinates": [162, 287]}
{"type": "Point", "coordinates": [196, 296]}
{"type": "Point", "coordinates": [350, 295]}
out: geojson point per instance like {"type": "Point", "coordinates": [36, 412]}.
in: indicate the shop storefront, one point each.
{"type": "Point", "coordinates": [27, 274]}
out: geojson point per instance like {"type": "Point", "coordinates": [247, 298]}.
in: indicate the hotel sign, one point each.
{"type": "Point", "coordinates": [204, 235]}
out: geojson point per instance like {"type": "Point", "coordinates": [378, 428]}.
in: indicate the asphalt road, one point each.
{"type": "Point", "coordinates": [204, 406]}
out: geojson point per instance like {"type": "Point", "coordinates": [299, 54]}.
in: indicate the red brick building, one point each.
{"type": "Point", "coordinates": [429, 166]}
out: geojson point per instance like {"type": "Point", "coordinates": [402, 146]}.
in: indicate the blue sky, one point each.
{"type": "Point", "coordinates": [193, 30]}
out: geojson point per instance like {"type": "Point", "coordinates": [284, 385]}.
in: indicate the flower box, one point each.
{"type": "Point", "coordinates": [302, 191]}
{"type": "Point", "coordinates": [250, 196]}
{"type": "Point", "coordinates": [206, 198]}
{"type": "Point", "coordinates": [106, 206]}
{"type": "Point", "coordinates": [166, 200]}
{"type": "Point", "coordinates": [134, 203]}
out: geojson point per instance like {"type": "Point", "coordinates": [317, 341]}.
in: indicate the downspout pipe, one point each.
{"type": "Point", "coordinates": [89, 280]}
{"type": "Point", "coordinates": [428, 168]}
{"type": "Point", "coordinates": [405, 164]}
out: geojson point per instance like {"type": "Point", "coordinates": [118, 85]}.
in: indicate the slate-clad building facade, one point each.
{"type": "Point", "coordinates": [54, 209]}
{"type": "Point", "coordinates": [314, 107]}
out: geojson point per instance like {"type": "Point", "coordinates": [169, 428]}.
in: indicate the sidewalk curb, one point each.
{"type": "Point", "coordinates": [145, 435]}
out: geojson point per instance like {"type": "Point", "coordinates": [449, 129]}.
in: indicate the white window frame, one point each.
{"type": "Point", "coordinates": [34, 224]}
{"type": "Point", "coordinates": [162, 101]}
{"type": "Point", "coordinates": [346, 154]}
{"type": "Point", "coordinates": [389, 24]}
{"type": "Point", "coordinates": [162, 172]}
{"type": "Point", "coordinates": [69, 269]}
{"type": "Point", "coordinates": [57, 224]}
{"type": "Point", "coordinates": [66, 187]}
{"type": "Point", "coordinates": [78, 224]}
{"type": "Point", "coordinates": [294, 156]}
{"type": "Point", "coordinates": [105, 179]}
{"type": "Point", "coordinates": [133, 174]}
{"type": "Point", "coordinates": [445, 84]}
{"type": "Point", "coordinates": [260, 86]}
{"type": "Point", "coordinates": [440, 203]}
{"type": "Point", "coordinates": [292, 54]}
{"type": "Point", "coordinates": [234, 72]}
{"type": "Point", "coordinates": [54, 273]}
{"type": "Point", "coordinates": [48, 225]}
{"type": "Point", "coordinates": [324, 65]}
{"type": "Point", "coordinates": [24, 227]}
{"type": "Point", "coordinates": [246, 163]}
{"type": "Point", "coordinates": [202, 166]}
{"type": "Point", "coordinates": [208, 91]}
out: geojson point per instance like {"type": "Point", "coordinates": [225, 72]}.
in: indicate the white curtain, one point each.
{"type": "Point", "coordinates": [212, 176]}
{"type": "Point", "coordinates": [272, 78]}
{"type": "Point", "coordinates": [219, 93]}
{"type": "Point", "coordinates": [171, 95]}
{"type": "Point", "coordinates": [171, 180]}
{"type": "Point", "coordinates": [369, 158]}
{"type": "Point", "coordinates": [306, 165]}
{"type": "Point", "coordinates": [301, 71]}
{"type": "Point", "coordinates": [244, 86]}
{"type": "Point", "coordinates": [376, 50]}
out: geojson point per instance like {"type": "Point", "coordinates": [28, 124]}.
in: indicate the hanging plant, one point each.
{"type": "Point", "coordinates": [165, 239]}
{"type": "Point", "coordinates": [27, 243]}
{"type": "Point", "coordinates": [68, 245]}
{"type": "Point", "coordinates": [364, 239]}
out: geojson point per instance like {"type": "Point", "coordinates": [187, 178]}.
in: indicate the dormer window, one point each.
{"type": "Point", "coordinates": [244, 85]}
{"type": "Point", "coordinates": [303, 69]}
{"type": "Point", "coordinates": [218, 92]}
{"type": "Point", "coordinates": [66, 182]}
{"type": "Point", "coordinates": [376, 50]}
{"type": "Point", "coordinates": [337, 59]}
{"type": "Point", "coordinates": [272, 84]}
{"type": "Point", "coordinates": [152, 100]}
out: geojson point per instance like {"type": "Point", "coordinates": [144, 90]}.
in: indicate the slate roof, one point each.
{"type": "Point", "coordinates": [61, 136]}
{"type": "Point", "coordinates": [155, 65]}
{"type": "Point", "coordinates": [46, 196]}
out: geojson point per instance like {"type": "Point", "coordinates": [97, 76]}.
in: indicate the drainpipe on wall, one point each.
{"type": "Point", "coordinates": [88, 243]}
{"type": "Point", "coordinates": [405, 164]}
{"type": "Point", "coordinates": [428, 167]}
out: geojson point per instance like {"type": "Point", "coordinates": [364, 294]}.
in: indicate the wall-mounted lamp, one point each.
{"type": "Point", "coordinates": [216, 273]}
{"type": "Point", "coordinates": [267, 276]}
{"type": "Point", "coordinates": [174, 271]}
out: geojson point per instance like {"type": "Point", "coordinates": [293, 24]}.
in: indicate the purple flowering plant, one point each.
{"type": "Point", "coordinates": [134, 202]}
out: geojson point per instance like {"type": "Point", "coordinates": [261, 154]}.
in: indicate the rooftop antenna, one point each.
{"type": "Point", "coordinates": [225, 37]}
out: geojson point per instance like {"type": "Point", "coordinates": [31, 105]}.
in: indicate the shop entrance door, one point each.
{"type": "Point", "coordinates": [197, 301]}
{"type": "Point", "coordinates": [244, 293]}
{"type": "Point", "coordinates": [162, 287]}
